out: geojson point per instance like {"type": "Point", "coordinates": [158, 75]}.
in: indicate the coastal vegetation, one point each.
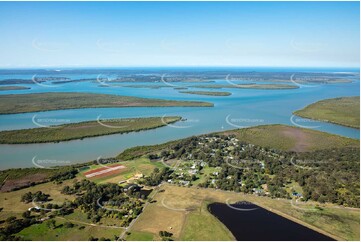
{"type": "Point", "coordinates": [36, 102]}
{"type": "Point", "coordinates": [318, 188]}
{"type": "Point", "coordinates": [249, 86]}
{"type": "Point", "coordinates": [344, 111]}
{"type": "Point", "coordinates": [207, 93]}
{"type": "Point", "coordinates": [11, 88]}
{"type": "Point", "coordinates": [82, 130]}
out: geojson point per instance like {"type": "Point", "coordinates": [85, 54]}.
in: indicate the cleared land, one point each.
{"type": "Point", "coordinates": [182, 211]}
{"type": "Point", "coordinates": [291, 138]}
{"type": "Point", "coordinates": [36, 102]}
{"type": "Point", "coordinates": [9, 88]}
{"type": "Point", "coordinates": [344, 111]}
{"type": "Point", "coordinates": [250, 86]}
{"type": "Point", "coordinates": [207, 93]}
{"type": "Point", "coordinates": [281, 137]}
{"type": "Point", "coordinates": [132, 170]}
{"type": "Point", "coordinates": [82, 130]}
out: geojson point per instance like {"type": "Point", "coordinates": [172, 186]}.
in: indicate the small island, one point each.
{"type": "Point", "coordinates": [37, 102]}
{"type": "Point", "coordinates": [343, 111]}
{"type": "Point", "coordinates": [82, 130]}
{"type": "Point", "coordinates": [250, 86]}
{"type": "Point", "coordinates": [12, 88]}
{"type": "Point", "coordinates": [207, 93]}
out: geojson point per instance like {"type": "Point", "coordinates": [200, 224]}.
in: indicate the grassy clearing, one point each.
{"type": "Point", "coordinates": [10, 88]}
{"type": "Point", "coordinates": [202, 225]}
{"type": "Point", "coordinates": [83, 129]}
{"type": "Point", "coordinates": [207, 93]}
{"type": "Point", "coordinates": [10, 201]}
{"type": "Point", "coordinates": [284, 137]}
{"type": "Point", "coordinates": [133, 167]}
{"type": "Point", "coordinates": [140, 236]}
{"type": "Point", "coordinates": [344, 111]}
{"type": "Point", "coordinates": [41, 232]}
{"type": "Point", "coordinates": [181, 209]}
{"type": "Point", "coordinates": [23, 177]}
{"type": "Point", "coordinates": [36, 102]}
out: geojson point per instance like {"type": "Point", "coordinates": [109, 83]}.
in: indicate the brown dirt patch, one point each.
{"type": "Point", "coordinates": [104, 171]}
{"type": "Point", "coordinates": [25, 181]}
{"type": "Point", "coordinates": [301, 139]}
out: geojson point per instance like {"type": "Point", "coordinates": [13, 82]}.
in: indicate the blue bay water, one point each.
{"type": "Point", "coordinates": [244, 108]}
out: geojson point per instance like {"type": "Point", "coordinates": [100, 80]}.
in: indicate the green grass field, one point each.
{"type": "Point", "coordinates": [82, 130]}
{"type": "Point", "coordinates": [207, 93]}
{"type": "Point", "coordinates": [182, 211]}
{"type": "Point", "coordinates": [202, 225]}
{"type": "Point", "coordinates": [41, 232]}
{"type": "Point", "coordinates": [133, 167]}
{"type": "Point", "coordinates": [344, 111]}
{"type": "Point", "coordinates": [36, 102]}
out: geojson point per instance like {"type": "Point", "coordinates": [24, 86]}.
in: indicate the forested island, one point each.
{"type": "Point", "coordinates": [343, 111]}
{"type": "Point", "coordinates": [37, 102]}
{"type": "Point", "coordinates": [72, 131]}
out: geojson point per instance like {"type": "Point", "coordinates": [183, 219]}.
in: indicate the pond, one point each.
{"type": "Point", "coordinates": [248, 221]}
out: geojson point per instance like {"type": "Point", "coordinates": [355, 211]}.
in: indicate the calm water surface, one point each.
{"type": "Point", "coordinates": [244, 108]}
{"type": "Point", "coordinates": [252, 223]}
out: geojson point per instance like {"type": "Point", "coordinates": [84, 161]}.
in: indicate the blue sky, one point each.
{"type": "Point", "coordinates": [319, 34]}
